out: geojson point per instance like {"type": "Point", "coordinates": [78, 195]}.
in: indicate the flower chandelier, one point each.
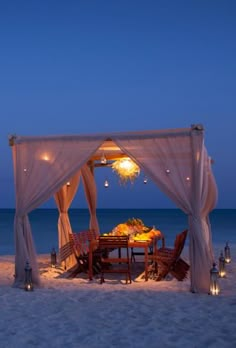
{"type": "Point", "coordinates": [126, 169]}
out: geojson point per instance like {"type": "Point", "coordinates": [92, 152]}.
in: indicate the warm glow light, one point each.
{"type": "Point", "coordinates": [103, 159]}
{"type": "Point", "coordinates": [45, 157]}
{"type": "Point", "coordinates": [126, 169]}
{"type": "Point", "coordinates": [227, 259]}
{"type": "Point", "coordinates": [215, 290]}
{"type": "Point", "coordinates": [198, 155]}
{"type": "Point", "coordinates": [222, 273]}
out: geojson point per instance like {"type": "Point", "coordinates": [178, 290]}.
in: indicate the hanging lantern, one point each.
{"type": "Point", "coordinates": [145, 180]}
{"type": "Point", "coordinates": [103, 159]}
{"type": "Point", "coordinates": [214, 285]}
{"type": "Point", "coordinates": [227, 253]}
{"type": "Point", "coordinates": [126, 169]}
{"type": "Point", "coordinates": [28, 277]}
{"type": "Point", "coordinates": [221, 265]}
{"type": "Point", "coordinates": [53, 258]}
{"type": "Point", "coordinates": [106, 184]}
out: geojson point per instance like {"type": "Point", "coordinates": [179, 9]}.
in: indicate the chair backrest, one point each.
{"type": "Point", "coordinates": [81, 241]}
{"type": "Point", "coordinates": [179, 243]}
{"type": "Point", "coordinates": [113, 242]}
{"type": "Point", "coordinates": [66, 251]}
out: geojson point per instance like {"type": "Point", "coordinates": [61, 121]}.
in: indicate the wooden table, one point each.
{"type": "Point", "coordinates": [145, 245]}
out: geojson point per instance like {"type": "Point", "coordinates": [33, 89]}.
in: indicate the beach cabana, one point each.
{"type": "Point", "coordinates": [175, 159]}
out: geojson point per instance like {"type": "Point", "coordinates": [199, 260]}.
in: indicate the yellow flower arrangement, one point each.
{"type": "Point", "coordinates": [134, 227]}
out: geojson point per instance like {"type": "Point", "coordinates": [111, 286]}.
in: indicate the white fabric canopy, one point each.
{"type": "Point", "coordinates": [176, 160]}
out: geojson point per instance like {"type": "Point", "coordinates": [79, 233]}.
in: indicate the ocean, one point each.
{"type": "Point", "coordinates": [169, 221]}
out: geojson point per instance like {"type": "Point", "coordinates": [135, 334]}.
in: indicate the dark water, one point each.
{"type": "Point", "coordinates": [169, 221]}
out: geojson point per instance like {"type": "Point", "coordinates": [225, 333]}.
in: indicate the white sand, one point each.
{"type": "Point", "coordinates": [81, 313]}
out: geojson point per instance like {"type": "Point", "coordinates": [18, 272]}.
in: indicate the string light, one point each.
{"type": "Point", "coordinates": [103, 159]}
{"type": "Point", "coordinates": [106, 183]}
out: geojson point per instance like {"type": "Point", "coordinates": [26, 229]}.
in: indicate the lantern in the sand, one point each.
{"type": "Point", "coordinates": [53, 257]}
{"type": "Point", "coordinates": [28, 277]}
{"type": "Point", "coordinates": [214, 285]}
{"type": "Point", "coordinates": [227, 253]}
{"type": "Point", "coordinates": [221, 265]}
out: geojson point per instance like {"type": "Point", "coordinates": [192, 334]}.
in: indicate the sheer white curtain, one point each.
{"type": "Point", "coordinates": [41, 167]}
{"type": "Point", "coordinates": [90, 190]}
{"type": "Point", "coordinates": [64, 198]}
{"type": "Point", "coordinates": [203, 200]}
{"type": "Point", "coordinates": [177, 163]}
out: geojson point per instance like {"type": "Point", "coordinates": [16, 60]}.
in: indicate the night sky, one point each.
{"type": "Point", "coordinates": [88, 66]}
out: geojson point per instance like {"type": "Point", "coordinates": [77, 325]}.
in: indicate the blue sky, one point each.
{"type": "Point", "coordinates": [93, 66]}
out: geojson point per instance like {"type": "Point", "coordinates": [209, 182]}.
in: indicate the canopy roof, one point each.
{"type": "Point", "coordinates": [175, 159]}
{"type": "Point", "coordinates": [107, 140]}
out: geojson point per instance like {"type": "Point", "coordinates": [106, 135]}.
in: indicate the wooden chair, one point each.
{"type": "Point", "coordinates": [81, 241]}
{"type": "Point", "coordinates": [167, 260]}
{"type": "Point", "coordinates": [80, 244]}
{"type": "Point", "coordinates": [114, 264]}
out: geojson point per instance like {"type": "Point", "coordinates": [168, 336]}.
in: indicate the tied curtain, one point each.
{"type": "Point", "coordinates": [64, 198]}
{"type": "Point", "coordinates": [90, 190]}
{"type": "Point", "coordinates": [41, 167]}
{"type": "Point", "coordinates": [180, 167]}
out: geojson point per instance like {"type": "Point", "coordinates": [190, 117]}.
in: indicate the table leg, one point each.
{"type": "Point", "coordinates": [146, 262]}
